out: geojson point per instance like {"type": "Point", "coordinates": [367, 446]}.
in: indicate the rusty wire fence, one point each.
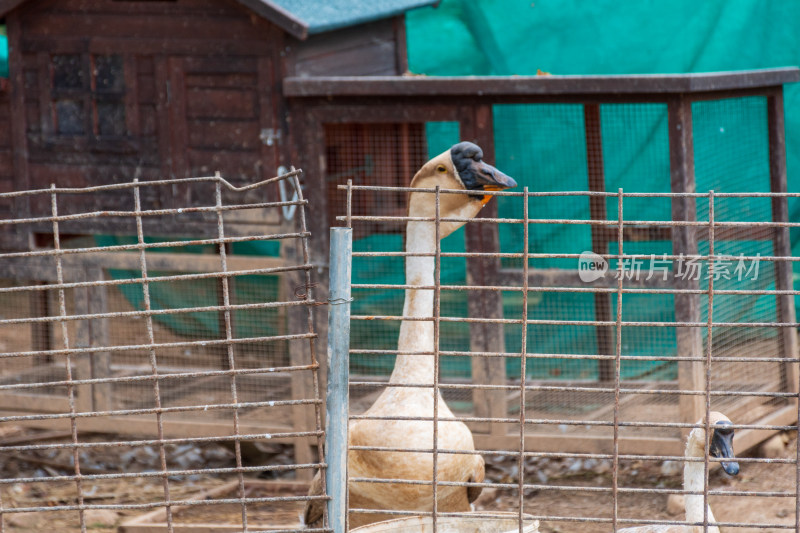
{"type": "Point", "coordinates": [586, 449]}
{"type": "Point", "coordinates": [158, 360]}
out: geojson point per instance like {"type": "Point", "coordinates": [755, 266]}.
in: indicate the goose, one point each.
{"type": "Point", "coordinates": [460, 167]}
{"type": "Point", "coordinates": [721, 447]}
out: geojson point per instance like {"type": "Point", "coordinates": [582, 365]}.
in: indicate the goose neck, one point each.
{"type": "Point", "coordinates": [417, 335]}
{"type": "Point", "coordinates": [694, 480]}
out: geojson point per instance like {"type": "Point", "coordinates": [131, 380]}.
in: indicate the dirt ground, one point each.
{"type": "Point", "coordinates": [754, 477]}
{"type": "Point", "coordinates": [566, 499]}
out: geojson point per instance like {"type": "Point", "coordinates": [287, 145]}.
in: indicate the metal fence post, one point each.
{"type": "Point", "coordinates": [338, 396]}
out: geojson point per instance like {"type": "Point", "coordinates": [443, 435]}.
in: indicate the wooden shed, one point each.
{"type": "Point", "coordinates": [102, 91]}
{"type": "Point", "coordinates": [107, 91]}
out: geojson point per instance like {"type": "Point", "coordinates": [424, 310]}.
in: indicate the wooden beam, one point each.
{"type": "Point", "coordinates": [530, 86]}
{"type": "Point", "coordinates": [483, 271]}
{"type": "Point", "coordinates": [684, 241]}
{"type": "Point", "coordinates": [19, 126]}
{"type": "Point", "coordinates": [782, 246]}
{"type": "Point", "coordinates": [597, 211]}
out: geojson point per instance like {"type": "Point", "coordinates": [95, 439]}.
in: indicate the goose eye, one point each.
{"type": "Point", "coordinates": [441, 168]}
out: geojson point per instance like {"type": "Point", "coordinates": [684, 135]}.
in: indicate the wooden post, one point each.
{"type": "Point", "coordinates": [597, 211]}
{"type": "Point", "coordinates": [485, 304]}
{"type": "Point", "coordinates": [83, 363]}
{"type": "Point", "coordinates": [338, 396]}
{"type": "Point", "coordinates": [302, 386]}
{"type": "Point", "coordinates": [102, 393]}
{"type": "Point", "coordinates": [41, 333]}
{"type": "Point", "coordinates": [782, 246]}
{"type": "Point", "coordinates": [684, 241]}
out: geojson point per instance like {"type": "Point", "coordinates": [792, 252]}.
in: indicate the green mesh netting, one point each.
{"type": "Point", "coordinates": [543, 147]}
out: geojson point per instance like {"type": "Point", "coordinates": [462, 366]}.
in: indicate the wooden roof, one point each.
{"type": "Point", "coordinates": [510, 86]}
{"type": "Point", "coordinates": [308, 17]}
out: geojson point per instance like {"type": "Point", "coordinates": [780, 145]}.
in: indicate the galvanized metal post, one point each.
{"type": "Point", "coordinates": [338, 396]}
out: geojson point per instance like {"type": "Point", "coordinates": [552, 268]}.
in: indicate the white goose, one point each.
{"type": "Point", "coordinates": [721, 447]}
{"type": "Point", "coordinates": [461, 167]}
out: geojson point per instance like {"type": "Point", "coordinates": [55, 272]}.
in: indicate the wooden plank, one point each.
{"type": "Point", "coordinates": [237, 166]}
{"type": "Point", "coordinates": [168, 9]}
{"type": "Point", "coordinates": [267, 116]}
{"type": "Point", "coordinates": [421, 112]}
{"type": "Point", "coordinates": [485, 304]}
{"type": "Point", "coordinates": [102, 393]}
{"type": "Point", "coordinates": [377, 58]}
{"type": "Point", "coordinates": [138, 426]}
{"type": "Point", "coordinates": [115, 26]}
{"type": "Point", "coordinates": [224, 134]}
{"type": "Point", "coordinates": [19, 122]}
{"type": "Point", "coordinates": [782, 246]}
{"type": "Point", "coordinates": [401, 48]}
{"type": "Point", "coordinates": [82, 362]}
{"type": "Point", "coordinates": [597, 211]}
{"type": "Point", "coordinates": [46, 117]}
{"type": "Point", "coordinates": [155, 521]}
{"type": "Point", "coordinates": [31, 267]}
{"type": "Point", "coordinates": [366, 49]}
{"type": "Point", "coordinates": [150, 46]}
{"type": "Point", "coordinates": [163, 91]}
{"type": "Point", "coordinates": [222, 102]}
{"type": "Point", "coordinates": [691, 375]}
{"type": "Point", "coordinates": [177, 128]}
{"type": "Point", "coordinates": [748, 438]}
{"type": "Point", "coordinates": [132, 119]}
{"type": "Point", "coordinates": [21, 403]}
{"type": "Point", "coordinates": [659, 84]}
{"type": "Point", "coordinates": [557, 442]}
{"type": "Point", "coordinates": [41, 335]}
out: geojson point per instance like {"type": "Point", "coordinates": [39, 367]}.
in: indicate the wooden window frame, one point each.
{"type": "Point", "coordinates": [89, 141]}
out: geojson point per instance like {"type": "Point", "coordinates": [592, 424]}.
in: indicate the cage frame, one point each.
{"type": "Point", "coordinates": [317, 101]}
{"type": "Point", "coordinates": [92, 362]}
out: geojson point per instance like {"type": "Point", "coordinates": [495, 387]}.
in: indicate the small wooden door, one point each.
{"type": "Point", "coordinates": [221, 118]}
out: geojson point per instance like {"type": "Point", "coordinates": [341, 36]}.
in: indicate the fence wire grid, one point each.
{"type": "Point", "coordinates": [159, 370]}
{"type": "Point", "coordinates": [595, 441]}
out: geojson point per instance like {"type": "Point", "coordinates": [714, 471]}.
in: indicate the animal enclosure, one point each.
{"type": "Point", "coordinates": [679, 188]}
{"type": "Point", "coordinates": [160, 359]}
{"type": "Point", "coordinates": [738, 367]}
{"type": "Point", "coordinates": [668, 136]}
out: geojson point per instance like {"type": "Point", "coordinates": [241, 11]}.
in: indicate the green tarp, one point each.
{"type": "Point", "coordinates": [542, 147]}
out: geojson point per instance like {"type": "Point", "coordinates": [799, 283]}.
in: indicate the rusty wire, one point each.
{"type": "Point", "coordinates": [524, 421]}
{"type": "Point", "coordinates": [71, 266]}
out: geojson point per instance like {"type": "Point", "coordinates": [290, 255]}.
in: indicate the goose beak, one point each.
{"type": "Point", "coordinates": [721, 447]}
{"type": "Point", "coordinates": [492, 179]}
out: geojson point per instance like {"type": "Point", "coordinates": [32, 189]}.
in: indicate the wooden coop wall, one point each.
{"type": "Point", "coordinates": [106, 319]}
{"type": "Point", "coordinates": [112, 91]}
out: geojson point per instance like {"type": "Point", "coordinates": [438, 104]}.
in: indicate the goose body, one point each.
{"type": "Point", "coordinates": [721, 447]}
{"type": "Point", "coordinates": [461, 167]}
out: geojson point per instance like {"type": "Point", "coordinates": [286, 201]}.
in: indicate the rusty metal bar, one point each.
{"type": "Point", "coordinates": [523, 360]}
{"type": "Point", "coordinates": [75, 275]}
{"type": "Point", "coordinates": [617, 368]}
{"type": "Point", "coordinates": [153, 360]}
{"type": "Point", "coordinates": [437, 271]}
{"type": "Point", "coordinates": [68, 362]}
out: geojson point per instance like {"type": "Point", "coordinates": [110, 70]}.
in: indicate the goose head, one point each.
{"type": "Point", "coordinates": [720, 444]}
{"type": "Point", "coordinates": [461, 167]}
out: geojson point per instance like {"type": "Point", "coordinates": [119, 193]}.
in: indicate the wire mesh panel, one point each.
{"type": "Point", "coordinates": [579, 451]}
{"type": "Point", "coordinates": [157, 370]}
